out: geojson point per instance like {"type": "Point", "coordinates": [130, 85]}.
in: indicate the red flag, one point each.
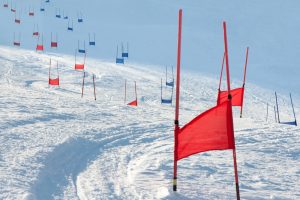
{"type": "Point", "coordinates": [54, 81]}
{"type": "Point", "coordinates": [39, 47]}
{"type": "Point", "coordinates": [211, 130]}
{"type": "Point", "coordinates": [236, 94]}
{"type": "Point", "coordinates": [133, 103]}
{"type": "Point", "coordinates": [79, 66]}
{"type": "Point", "coordinates": [54, 44]}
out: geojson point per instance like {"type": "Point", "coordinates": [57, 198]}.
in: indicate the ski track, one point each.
{"type": "Point", "coordinates": [57, 145]}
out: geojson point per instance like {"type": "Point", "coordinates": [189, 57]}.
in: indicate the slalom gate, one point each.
{"type": "Point", "coordinates": [119, 60]}
{"type": "Point", "coordinates": [237, 93]}
{"type": "Point", "coordinates": [211, 130]}
{"type": "Point", "coordinates": [125, 53]}
{"type": "Point", "coordinates": [277, 113]}
{"type": "Point", "coordinates": [53, 81]}
{"type": "Point", "coordinates": [79, 65]}
{"type": "Point", "coordinates": [131, 102]}
{"type": "Point", "coordinates": [84, 84]}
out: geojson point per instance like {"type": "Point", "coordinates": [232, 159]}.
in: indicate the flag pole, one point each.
{"type": "Point", "coordinates": [245, 68]}
{"type": "Point", "coordinates": [75, 57]}
{"type": "Point", "coordinates": [94, 86]}
{"type": "Point", "coordinates": [230, 107]}
{"type": "Point", "coordinates": [82, 84]}
{"type": "Point", "coordinates": [166, 75]}
{"type": "Point", "coordinates": [161, 90]}
{"type": "Point", "coordinates": [275, 114]}
{"type": "Point", "coordinates": [57, 71]}
{"type": "Point", "coordinates": [267, 111]}
{"type": "Point", "coordinates": [220, 82]}
{"type": "Point", "coordinates": [244, 80]}
{"type": "Point", "coordinates": [135, 92]}
{"type": "Point", "coordinates": [125, 92]}
{"type": "Point", "coordinates": [293, 109]}
{"type": "Point", "coordinates": [176, 122]}
{"type": "Point", "coordinates": [278, 119]}
{"type": "Point", "coordinates": [49, 72]}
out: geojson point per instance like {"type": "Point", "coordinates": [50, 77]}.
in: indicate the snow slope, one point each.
{"type": "Point", "coordinates": [57, 145]}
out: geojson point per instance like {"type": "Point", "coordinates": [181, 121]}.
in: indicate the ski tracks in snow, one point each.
{"type": "Point", "coordinates": [57, 145]}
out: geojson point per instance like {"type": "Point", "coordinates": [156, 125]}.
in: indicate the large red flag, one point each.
{"type": "Point", "coordinates": [211, 130]}
{"type": "Point", "coordinates": [236, 94]}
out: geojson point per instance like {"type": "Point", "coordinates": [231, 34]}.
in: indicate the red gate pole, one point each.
{"type": "Point", "coordinates": [82, 84]}
{"type": "Point", "coordinates": [220, 82]}
{"type": "Point", "coordinates": [49, 73]}
{"type": "Point", "coordinates": [245, 68]}
{"type": "Point", "coordinates": [244, 81]}
{"type": "Point", "coordinates": [176, 122]}
{"type": "Point", "coordinates": [229, 97]}
{"type": "Point", "coordinates": [57, 74]}
{"type": "Point", "coordinates": [75, 58]}
{"type": "Point", "coordinates": [94, 86]}
{"type": "Point", "coordinates": [84, 59]}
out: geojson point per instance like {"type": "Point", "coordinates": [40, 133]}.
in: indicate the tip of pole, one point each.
{"type": "Point", "coordinates": [180, 12]}
{"type": "Point", "coordinates": [224, 24]}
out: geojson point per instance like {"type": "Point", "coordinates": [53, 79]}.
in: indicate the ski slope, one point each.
{"type": "Point", "coordinates": [57, 145]}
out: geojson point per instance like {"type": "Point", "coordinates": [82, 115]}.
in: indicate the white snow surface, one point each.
{"type": "Point", "coordinates": [57, 145]}
{"type": "Point", "coordinates": [270, 28]}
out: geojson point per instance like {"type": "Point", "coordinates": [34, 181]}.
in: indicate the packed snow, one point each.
{"type": "Point", "coordinates": [58, 144]}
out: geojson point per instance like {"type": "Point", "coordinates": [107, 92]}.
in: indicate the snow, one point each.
{"type": "Point", "coordinates": [57, 145]}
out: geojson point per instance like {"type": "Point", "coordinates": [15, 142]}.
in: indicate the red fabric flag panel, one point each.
{"type": "Point", "coordinates": [79, 66]}
{"type": "Point", "coordinates": [133, 103]}
{"type": "Point", "coordinates": [54, 81]}
{"type": "Point", "coordinates": [211, 130]}
{"type": "Point", "coordinates": [54, 44]}
{"type": "Point", "coordinates": [236, 94]}
{"type": "Point", "coordinates": [40, 48]}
